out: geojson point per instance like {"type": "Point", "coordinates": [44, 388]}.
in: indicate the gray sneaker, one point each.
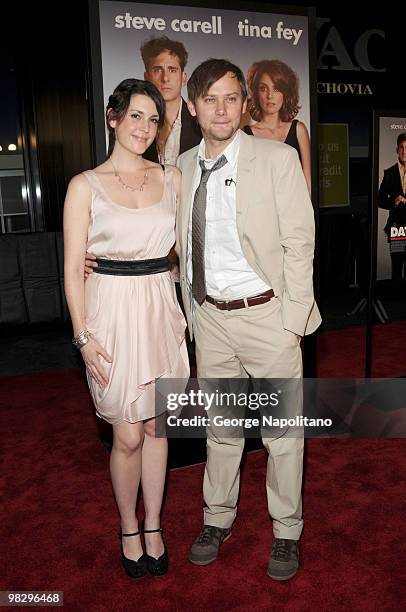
{"type": "Point", "coordinates": [284, 559]}
{"type": "Point", "coordinates": [205, 548]}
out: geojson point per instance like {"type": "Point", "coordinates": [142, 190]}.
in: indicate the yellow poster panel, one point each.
{"type": "Point", "coordinates": [333, 164]}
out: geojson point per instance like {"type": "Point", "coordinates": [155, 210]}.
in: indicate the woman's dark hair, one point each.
{"type": "Point", "coordinates": [119, 101]}
{"type": "Point", "coordinates": [208, 73]}
{"type": "Point", "coordinates": [284, 79]}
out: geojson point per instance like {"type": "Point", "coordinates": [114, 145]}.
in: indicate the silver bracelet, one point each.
{"type": "Point", "coordinates": [81, 339]}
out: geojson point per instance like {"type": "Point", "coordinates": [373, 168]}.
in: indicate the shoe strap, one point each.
{"type": "Point", "coordinates": [153, 530]}
{"type": "Point", "coordinates": [128, 535]}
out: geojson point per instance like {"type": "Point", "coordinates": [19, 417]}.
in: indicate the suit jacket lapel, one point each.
{"type": "Point", "coordinates": [398, 180]}
{"type": "Point", "coordinates": [188, 173]}
{"type": "Point", "coordinates": [245, 180]}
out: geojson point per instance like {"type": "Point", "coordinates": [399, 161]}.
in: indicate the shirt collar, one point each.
{"type": "Point", "coordinates": [179, 116]}
{"type": "Point", "coordinates": [230, 152]}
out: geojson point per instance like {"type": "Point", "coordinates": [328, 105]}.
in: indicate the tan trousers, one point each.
{"type": "Point", "coordinates": [235, 344]}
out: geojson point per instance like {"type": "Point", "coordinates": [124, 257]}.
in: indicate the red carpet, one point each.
{"type": "Point", "coordinates": [60, 523]}
{"type": "Point", "coordinates": [341, 353]}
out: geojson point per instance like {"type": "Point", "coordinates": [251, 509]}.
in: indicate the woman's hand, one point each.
{"type": "Point", "coordinates": [90, 353]}
{"type": "Point", "coordinates": [90, 263]}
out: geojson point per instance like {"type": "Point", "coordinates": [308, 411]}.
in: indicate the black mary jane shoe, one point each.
{"type": "Point", "coordinates": [133, 569]}
{"type": "Point", "coordinates": [157, 567]}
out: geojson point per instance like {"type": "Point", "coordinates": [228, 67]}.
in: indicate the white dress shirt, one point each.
{"type": "Point", "coordinates": [228, 274]}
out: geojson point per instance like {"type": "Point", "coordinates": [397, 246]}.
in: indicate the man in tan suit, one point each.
{"type": "Point", "coordinates": [245, 243]}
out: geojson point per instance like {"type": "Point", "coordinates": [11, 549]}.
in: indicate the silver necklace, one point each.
{"type": "Point", "coordinates": [124, 185]}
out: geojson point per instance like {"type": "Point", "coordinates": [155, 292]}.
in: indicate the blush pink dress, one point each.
{"type": "Point", "coordinates": [136, 318]}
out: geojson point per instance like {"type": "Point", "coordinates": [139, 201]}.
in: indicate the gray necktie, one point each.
{"type": "Point", "coordinates": [199, 230]}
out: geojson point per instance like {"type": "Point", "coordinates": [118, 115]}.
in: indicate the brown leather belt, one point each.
{"type": "Point", "coordinates": [243, 302]}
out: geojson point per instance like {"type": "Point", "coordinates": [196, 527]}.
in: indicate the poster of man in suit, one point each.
{"type": "Point", "coordinates": [391, 223]}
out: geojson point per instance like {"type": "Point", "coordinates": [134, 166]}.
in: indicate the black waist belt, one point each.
{"type": "Point", "coordinates": [139, 267]}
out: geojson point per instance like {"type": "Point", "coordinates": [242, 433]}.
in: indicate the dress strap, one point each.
{"type": "Point", "coordinates": [291, 135]}
{"type": "Point", "coordinates": [94, 181]}
{"type": "Point", "coordinates": [291, 138]}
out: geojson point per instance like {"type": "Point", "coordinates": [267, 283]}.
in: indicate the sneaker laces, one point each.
{"type": "Point", "coordinates": [207, 534]}
{"type": "Point", "coordinates": [282, 550]}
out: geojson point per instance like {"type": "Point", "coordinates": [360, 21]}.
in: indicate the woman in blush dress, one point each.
{"type": "Point", "coordinates": [126, 319]}
{"type": "Point", "coordinates": [274, 104]}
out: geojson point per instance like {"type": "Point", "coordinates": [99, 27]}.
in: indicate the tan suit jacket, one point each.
{"type": "Point", "coordinates": [275, 223]}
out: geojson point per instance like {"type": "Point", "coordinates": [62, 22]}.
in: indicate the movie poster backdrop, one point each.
{"type": "Point", "coordinates": [390, 226]}
{"type": "Point", "coordinates": [243, 37]}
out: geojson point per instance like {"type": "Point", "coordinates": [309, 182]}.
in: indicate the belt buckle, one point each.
{"type": "Point", "coordinates": [222, 304]}
{"type": "Point", "coordinates": [229, 308]}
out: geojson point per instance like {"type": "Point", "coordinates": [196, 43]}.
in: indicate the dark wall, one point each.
{"type": "Point", "coordinates": [54, 83]}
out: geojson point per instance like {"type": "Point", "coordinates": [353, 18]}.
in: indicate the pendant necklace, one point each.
{"type": "Point", "coordinates": [124, 185]}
